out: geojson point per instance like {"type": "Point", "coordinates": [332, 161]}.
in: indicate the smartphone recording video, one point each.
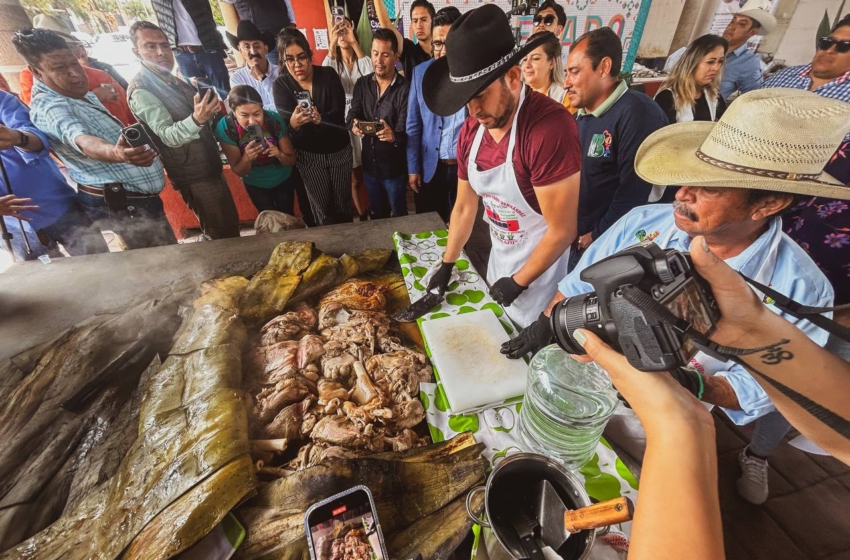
{"type": "Point", "coordinates": [345, 527]}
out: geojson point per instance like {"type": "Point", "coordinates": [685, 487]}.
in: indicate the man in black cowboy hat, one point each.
{"type": "Point", "coordinates": [518, 151]}
{"type": "Point", "coordinates": [258, 72]}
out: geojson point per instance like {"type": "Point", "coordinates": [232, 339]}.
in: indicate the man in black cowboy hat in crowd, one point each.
{"type": "Point", "coordinates": [179, 123]}
{"type": "Point", "coordinates": [518, 151]}
{"type": "Point", "coordinates": [258, 72]}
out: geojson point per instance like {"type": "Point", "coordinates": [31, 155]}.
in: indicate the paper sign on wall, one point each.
{"type": "Point", "coordinates": [320, 37]}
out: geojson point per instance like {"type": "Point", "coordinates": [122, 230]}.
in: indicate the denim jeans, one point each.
{"type": "Point", "coordinates": [207, 65]}
{"type": "Point", "coordinates": [146, 228]}
{"type": "Point", "coordinates": [383, 191]}
{"type": "Point", "coordinates": [75, 231]}
{"type": "Point", "coordinates": [768, 432]}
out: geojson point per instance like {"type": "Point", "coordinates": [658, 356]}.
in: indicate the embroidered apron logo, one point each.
{"type": "Point", "coordinates": [504, 220]}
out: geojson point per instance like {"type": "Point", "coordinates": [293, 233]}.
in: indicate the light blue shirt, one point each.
{"type": "Point", "coordinates": [741, 72]}
{"type": "Point", "coordinates": [795, 275]}
{"type": "Point", "coordinates": [64, 119]}
{"type": "Point", "coordinates": [244, 77]}
{"type": "Point", "coordinates": [449, 133]}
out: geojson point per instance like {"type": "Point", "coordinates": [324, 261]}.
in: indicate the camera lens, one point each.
{"type": "Point", "coordinates": [578, 312]}
{"type": "Point", "coordinates": [132, 134]}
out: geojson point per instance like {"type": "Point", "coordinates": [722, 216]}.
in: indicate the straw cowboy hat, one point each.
{"type": "Point", "coordinates": [776, 139]}
{"type": "Point", "coordinates": [759, 10]}
{"type": "Point", "coordinates": [45, 21]}
{"type": "Point", "coordinates": [480, 49]}
{"type": "Point", "coordinates": [247, 31]}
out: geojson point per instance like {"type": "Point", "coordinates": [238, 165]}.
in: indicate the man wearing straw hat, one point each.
{"type": "Point", "coordinates": [739, 174]}
{"type": "Point", "coordinates": [742, 71]}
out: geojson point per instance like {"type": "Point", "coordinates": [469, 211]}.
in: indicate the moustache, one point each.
{"type": "Point", "coordinates": [257, 56]}
{"type": "Point", "coordinates": [682, 209]}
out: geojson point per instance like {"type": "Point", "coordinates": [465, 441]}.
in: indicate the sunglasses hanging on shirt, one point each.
{"type": "Point", "coordinates": [826, 43]}
{"type": "Point", "coordinates": [546, 20]}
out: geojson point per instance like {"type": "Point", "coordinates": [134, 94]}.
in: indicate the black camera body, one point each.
{"type": "Point", "coordinates": [667, 276]}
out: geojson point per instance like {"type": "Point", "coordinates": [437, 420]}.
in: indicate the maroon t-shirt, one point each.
{"type": "Point", "coordinates": [547, 146]}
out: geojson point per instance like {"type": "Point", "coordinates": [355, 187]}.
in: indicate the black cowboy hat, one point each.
{"type": "Point", "coordinates": [479, 50]}
{"type": "Point", "coordinates": [247, 31]}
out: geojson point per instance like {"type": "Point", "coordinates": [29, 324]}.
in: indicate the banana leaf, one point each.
{"type": "Point", "coordinates": [270, 289]}
{"type": "Point", "coordinates": [192, 424]}
{"type": "Point", "coordinates": [404, 492]}
{"type": "Point", "coordinates": [319, 277]}
{"type": "Point", "coordinates": [191, 517]}
{"type": "Point", "coordinates": [438, 535]}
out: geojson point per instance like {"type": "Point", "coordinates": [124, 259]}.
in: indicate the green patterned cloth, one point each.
{"type": "Point", "coordinates": [605, 476]}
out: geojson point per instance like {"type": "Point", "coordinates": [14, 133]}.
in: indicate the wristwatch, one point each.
{"type": "Point", "coordinates": [24, 141]}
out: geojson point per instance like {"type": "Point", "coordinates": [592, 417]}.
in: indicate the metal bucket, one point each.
{"type": "Point", "coordinates": [513, 484]}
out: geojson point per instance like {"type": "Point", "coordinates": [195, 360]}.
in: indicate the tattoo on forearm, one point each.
{"type": "Point", "coordinates": [828, 417]}
{"type": "Point", "coordinates": [776, 354]}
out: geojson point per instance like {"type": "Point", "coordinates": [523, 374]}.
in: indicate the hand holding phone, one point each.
{"type": "Point", "coordinates": [207, 105]}
{"type": "Point", "coordinates": [343, 518]}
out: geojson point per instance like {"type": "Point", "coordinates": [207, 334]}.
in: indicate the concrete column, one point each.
{"type": "Point", "coordinates": [12, 18]}
{"type": "Point", "coordinates": [785, 9]}
{"type": "Point", "coordinates": [690, 14]}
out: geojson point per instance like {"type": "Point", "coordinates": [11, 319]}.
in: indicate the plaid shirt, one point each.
{"type": "Point", "coordinates": [64, 119]}
{"type": "Point", "coordinates": [798, 77]}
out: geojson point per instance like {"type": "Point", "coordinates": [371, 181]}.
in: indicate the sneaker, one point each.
{"type": "Point", "coordinates": [752, 486]}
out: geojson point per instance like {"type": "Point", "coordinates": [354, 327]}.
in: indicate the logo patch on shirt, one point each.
{"type": "Point", "coordinates": [600, 145]}
{"type": "Point", "coordinates": [642, 236]}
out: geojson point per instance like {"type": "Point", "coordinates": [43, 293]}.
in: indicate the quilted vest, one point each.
{"type": "Point", "coordinates": [197, 160]}
{"type": "Point", "coordinates": [201, 14]}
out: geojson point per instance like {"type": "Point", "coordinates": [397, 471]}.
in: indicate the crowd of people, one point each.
{"type": "Point", "coordinates": [570, 163]}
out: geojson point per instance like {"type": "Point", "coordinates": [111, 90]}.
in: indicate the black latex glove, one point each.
{"type": "Point", "coordinates": [533, 338]}
{"type": "Point", "coordinates": [442, 278]}
{"type": "Point", "coordinates": [690, 379]}
{"type": "Point", "coordinates": [506, 290]}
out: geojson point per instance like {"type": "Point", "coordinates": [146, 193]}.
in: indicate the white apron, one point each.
{"type": "Point", "coordinates": [515, 230]}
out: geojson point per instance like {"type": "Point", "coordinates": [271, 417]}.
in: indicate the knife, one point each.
{"type": "Point", "coordinates": [419, 307]}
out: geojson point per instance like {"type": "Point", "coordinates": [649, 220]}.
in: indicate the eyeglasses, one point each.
{"type": "Point", "coordinates": [826, 43]}
{"type": "Point", "coordinates": [546, 20]}
{"type": "Point", "coordinates": [301, 59]}
{"type": "Point", "coordinates": [438, 45]}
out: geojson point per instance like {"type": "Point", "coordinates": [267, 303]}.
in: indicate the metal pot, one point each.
{"type": "Point", "coordinates": [513, 484]}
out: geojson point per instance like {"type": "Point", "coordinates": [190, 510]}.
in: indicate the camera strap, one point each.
{"type": "Point", "coordinates": [811, 314]}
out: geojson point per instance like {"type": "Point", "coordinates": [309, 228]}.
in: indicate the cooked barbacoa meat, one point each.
{"type": "Point", "coordinates": [335, 381]}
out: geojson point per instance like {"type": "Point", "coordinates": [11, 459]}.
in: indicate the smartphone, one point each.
{"type": "Point", "coordinates": [338, 13]}
{"type": "Point", "coordinates": [370, 127]}
{"type": "Point", "coordinates": [137, 136]}
{"type": "Point", "coordinates": [204, 88]}
{"type": "Point", "coordinates": [253, 132]}
{"type": "Point", "coordinates": [347, 520]}
{"type": "Point", "coordinates": [303, 99]}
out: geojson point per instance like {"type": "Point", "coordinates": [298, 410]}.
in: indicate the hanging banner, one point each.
{"type": "Point", "coordinates": [626, 17]}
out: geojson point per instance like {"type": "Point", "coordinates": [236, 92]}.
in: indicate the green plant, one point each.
{"type": "Point", "coordinates": [136, 10]}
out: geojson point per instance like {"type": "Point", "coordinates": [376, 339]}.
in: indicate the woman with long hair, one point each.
{"type": "Point", "coordinates": [263, 161]}
{"type": "Point", "coordinates": [347, 58]}
{"type": "Point", "coordinates": [543, 70]}
{"type": "Point", "coordinates": [691, 91]}
{"type": "Point", "coordinates": [312, 99]}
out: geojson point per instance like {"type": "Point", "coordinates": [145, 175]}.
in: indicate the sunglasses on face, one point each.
{"type": "Point", "coordinates": [826, 43]}
{"type": "Point", "coordinates": [546, 20]}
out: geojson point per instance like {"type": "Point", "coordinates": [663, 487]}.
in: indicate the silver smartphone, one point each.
{"type": "Point", "coordinates": [345, 525]}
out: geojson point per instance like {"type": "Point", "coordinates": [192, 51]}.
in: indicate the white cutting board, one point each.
{"type": "Point", "coordinates": [465, 350]}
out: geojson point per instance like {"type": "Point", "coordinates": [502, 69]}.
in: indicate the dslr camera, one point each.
{"type": "Point", "coordinates": [668, 278]}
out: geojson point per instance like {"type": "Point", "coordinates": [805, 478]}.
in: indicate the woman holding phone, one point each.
{"type": "Point", "coordinates": [347, 58]}
{"type": "Point", "coordinates": [256, 144]}
{"type": "Point", "coordinates": [313, 100]}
